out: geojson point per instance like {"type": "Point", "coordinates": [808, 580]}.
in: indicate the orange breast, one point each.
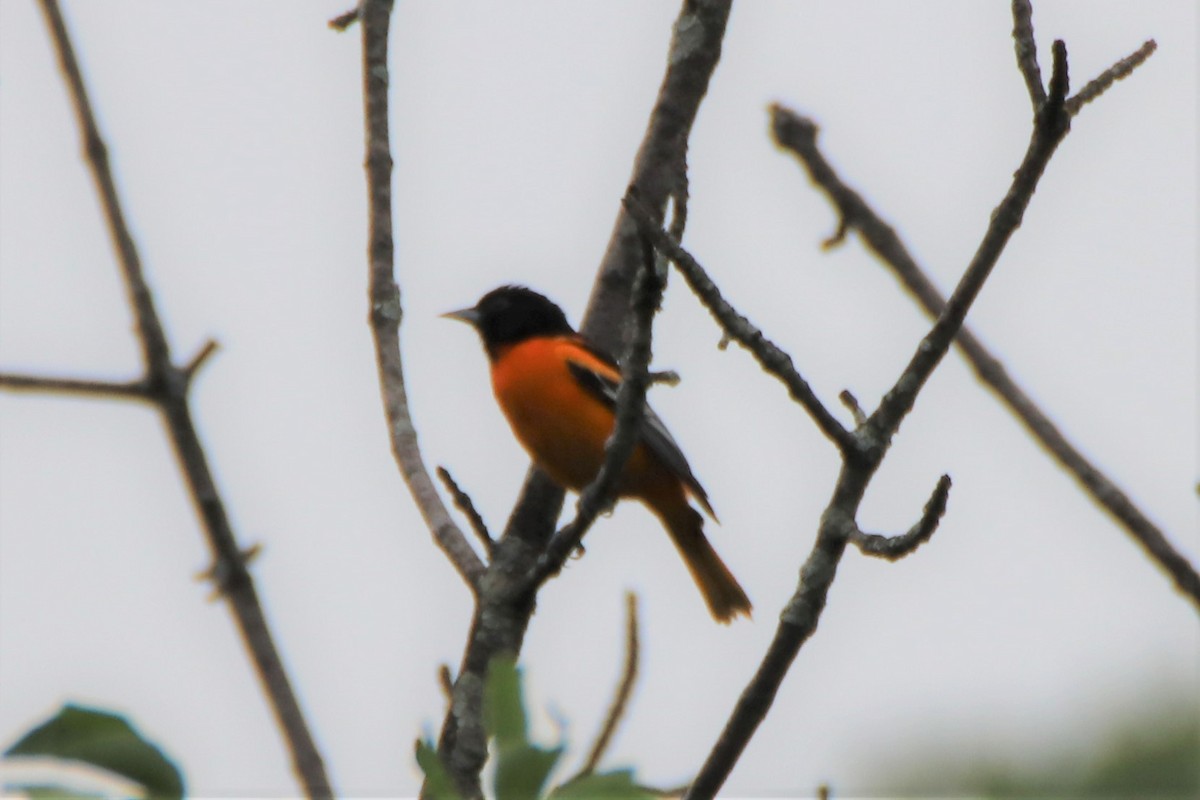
{"type": "Point", "coordinates": [561, 425]}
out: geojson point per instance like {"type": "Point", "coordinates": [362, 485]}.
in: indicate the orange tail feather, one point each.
{"type": "Point", "coordinates": [722, 593]}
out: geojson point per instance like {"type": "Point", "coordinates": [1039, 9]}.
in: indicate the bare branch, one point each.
{"type": "Point", "coordinates": [386, 310]}
{"type": "Point", "coordinates": [773, 360]}
{"type": "Point", "coordinates": [1026, 47]}
{"type": "Point", "coordinates": [600, 494]}
{"type": "Point", "coordinates": [128, 390]}
{"type": "Point", "coordinates": [140, 389]}
{"type": "Point", "coordinates": [624, 689]}
{"type": "Point", "coordinates": [659, 170]}
{"type": "Point", "coordinates": [150, 332]}
{"type": "Point", "coordinates": [894, 548]}
{"type": "Point", "coordinates": [168, 386]}
{"type": "Point", "coordinates": [799, 618]}
{"type": "Point", "coordinates": [1051, 124]}
{"type": "Point", "coordinates": [462, 501]}
{"type": "Point", "coordinates": [798, 136]}
{"type": "Point", "coordinates": [797, 623]}
{"type": "Point", "coordinates": [1101, 83]}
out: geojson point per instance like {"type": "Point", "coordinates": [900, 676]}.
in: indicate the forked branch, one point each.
{"type": "Point", "coordinates": [838, 526]}
{"type": "Point", "coordinates": [798, 135]}
{"type": "Point", "coordinates": [166, 386]}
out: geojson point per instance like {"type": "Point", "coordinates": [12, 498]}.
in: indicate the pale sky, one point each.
{"type": "Point", "coordinates": [1026, 626]}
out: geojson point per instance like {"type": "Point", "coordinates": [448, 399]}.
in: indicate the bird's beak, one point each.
{"type": "Point", "coordinates": [467, 315]}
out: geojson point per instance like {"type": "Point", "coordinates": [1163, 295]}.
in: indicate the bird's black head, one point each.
{"type": "Point", "coordinates": [512, 314]}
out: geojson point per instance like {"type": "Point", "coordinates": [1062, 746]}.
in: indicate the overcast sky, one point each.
{"type": "Point", "coordinates": [1026, 626]}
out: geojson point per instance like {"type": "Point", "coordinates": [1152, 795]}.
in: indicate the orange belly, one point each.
{"type": "Point", "coordinates": [562, 426]}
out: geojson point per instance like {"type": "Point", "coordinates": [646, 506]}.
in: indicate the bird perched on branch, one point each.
{"type": "Point", "coordinates": [559, 394]}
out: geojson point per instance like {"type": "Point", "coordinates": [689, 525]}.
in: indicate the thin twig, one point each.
{"type": "Point", "coordinates": [462, 501]}
{"type": "Point", "coordinates": [169, 385]}
{"type": "Point", "coordinates": [112, 390]}
{"type": "Point", "coordinates": [386, 309]}
{"type": "Point", "coordinates": [446, 682]}
{"type": "Point", "coordinates": [1101, 84]}
{"type": "Point", "coordinates": [893, 548]}
{"type": "Point", "coordinates": [798, 135]}
{"type": "Point", "coordinates": [772, 359]}
{"type": "Point", "coordinates": [1026, 47]}
{"type": "Point", "coordinates": [343, 21]}
{"type": "Point", "coordinates": [1051, 125]}
{"type": "Point", "coordinates": [620, 701]}
{"type": "Point", "coordinates": [851, 403]}
{"type": "Point", "coordinates": [666, 377]}
{"type": "Point", "coordinates": [200, 359]}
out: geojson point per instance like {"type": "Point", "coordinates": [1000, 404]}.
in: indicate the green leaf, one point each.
{"type": "Point", "coordinates": [616, 785]}
{"type": "Point", "coordinates": [107, 741]}
{"type": "Point", "coordinates": [43, 791]}
{"type": "Point", "coordinates": [521, 767]}
{"type": "Point", "coordinates": [522, 770]}
{"type": "Point", "coordinates": [504, 704]}
{"type": "Point", "coordinates": [438, 785]}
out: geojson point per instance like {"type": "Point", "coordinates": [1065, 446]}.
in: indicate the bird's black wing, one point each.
{"type": "Point", "coordinates": [654, 433]}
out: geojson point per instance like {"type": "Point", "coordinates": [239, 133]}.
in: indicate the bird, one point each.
{"type": "Point", "coordinates": [558, 393]}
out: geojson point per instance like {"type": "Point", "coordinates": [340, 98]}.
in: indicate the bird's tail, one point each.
{"type": "Point", "coordinates": [722, 593]}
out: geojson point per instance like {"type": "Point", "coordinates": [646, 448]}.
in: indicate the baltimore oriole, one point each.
{"type": "Point", "coordinates": [558, 393]}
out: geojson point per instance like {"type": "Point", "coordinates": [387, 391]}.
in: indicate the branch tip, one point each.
{"type": "Point", "coordinates": [894, 548]}
{"type": "Point", "coordinates": [851, 402]}
{"type": "Point", "coordinates": [620, 701]}
{"type": "Point", "coordinates": [666, 377]}
{"type": "Point", "coordinates": [1104, 81]}
{"type": "Point", "coordinates": [343, 21]}
{"type": "Point", "coordinates": [462, 501]}
{"type": "Point", "coordinates": [838, 237]}
{"type": "Point", "coordinates": [446, 682]}
{"type": "Point", "coordinates": [1060, 77]}
{"type": "Point", "coordinates": [788, 126]}
{"type": "Point", "coordinates": [206, 351]}
{"type": "Point", "coordinates": [1026, 50]}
